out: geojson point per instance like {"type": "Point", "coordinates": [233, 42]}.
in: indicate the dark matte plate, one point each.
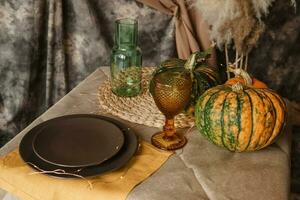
{"type": "Point", "coordinates": [125, 154]}
{"type": "Point", "coordinates": [77, 141]}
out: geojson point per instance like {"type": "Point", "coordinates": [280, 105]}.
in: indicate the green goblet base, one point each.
{"type": "Point", "coordinates": [169, 143]}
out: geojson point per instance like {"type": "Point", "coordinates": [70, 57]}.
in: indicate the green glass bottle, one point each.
{"type": "Point", "coordinates": [126, 59]}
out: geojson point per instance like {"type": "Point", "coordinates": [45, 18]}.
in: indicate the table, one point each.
{"type": "Point", "coordinates": [199, 171]}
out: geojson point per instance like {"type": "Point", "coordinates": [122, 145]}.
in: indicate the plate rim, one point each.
{"type": "Point", "coordinates": [88, 171]}
{"type": "Point", "coordinates": [48, 122]}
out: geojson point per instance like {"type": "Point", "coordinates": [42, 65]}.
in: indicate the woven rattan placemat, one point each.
{"type": "Point", "coordinates": [140, 109]}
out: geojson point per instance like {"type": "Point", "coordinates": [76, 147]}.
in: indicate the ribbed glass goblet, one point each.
{"type": "Point", "coordinates": [171, 91]}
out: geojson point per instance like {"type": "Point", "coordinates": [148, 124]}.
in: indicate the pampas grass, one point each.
{"type": "Point", "coordinates": [217, 13]}
{"type": "Point", "coordinates": [237, 21]}
{"type": "Point", "coordinates": [261, 7]}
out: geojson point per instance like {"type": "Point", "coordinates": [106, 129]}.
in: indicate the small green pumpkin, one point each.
{"type": "Point", "coordinates": [203, 76]}
{"type": "Point", "coordinates": [240, 118]}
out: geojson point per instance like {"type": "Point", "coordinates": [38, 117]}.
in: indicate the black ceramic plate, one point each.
{"type": "Point", "coordinates": [124, 155]}
{"type": "Point", "coordinates": [77, 141]}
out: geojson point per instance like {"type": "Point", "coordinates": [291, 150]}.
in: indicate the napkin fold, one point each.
{"type": "Point", "coordinates": [16, 177]}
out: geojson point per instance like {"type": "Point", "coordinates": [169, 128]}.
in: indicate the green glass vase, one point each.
{"type": "Point", "coordinates": [126, 59]}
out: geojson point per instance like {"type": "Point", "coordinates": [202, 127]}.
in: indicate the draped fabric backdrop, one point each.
{"type": "Point", "coordinates": [48, 46]}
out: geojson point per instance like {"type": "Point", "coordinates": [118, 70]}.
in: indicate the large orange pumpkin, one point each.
{"type": "Point", "coordinates": [240, 118]}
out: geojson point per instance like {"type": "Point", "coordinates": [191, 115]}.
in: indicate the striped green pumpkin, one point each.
{"type": "Point", "coordinates": [243, 119]}
{"type": "Point", "coordinates": [204, 78]}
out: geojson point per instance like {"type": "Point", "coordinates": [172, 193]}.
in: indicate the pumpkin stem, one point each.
{"type": "Point", "coordinates": [197, 57]}
{"type": "Point", "coordinates": [191, 61]}
{"type": "Point", "coordinates": [237, 87]}
{"type": "Point", "coordinates": [242, 73]}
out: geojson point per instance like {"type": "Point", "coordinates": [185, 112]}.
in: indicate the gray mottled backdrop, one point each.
{"type": "Point", "coordinates": [48, 46]}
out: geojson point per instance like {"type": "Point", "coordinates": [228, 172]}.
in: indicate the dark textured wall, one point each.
{"type": "Point", "coordinates": [276, 60]}
{"type": "Point", "coordinates": [48, 47]}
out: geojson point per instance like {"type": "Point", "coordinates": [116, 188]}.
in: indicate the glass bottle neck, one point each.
{"type": "Point", "coordinates": [126, 33]}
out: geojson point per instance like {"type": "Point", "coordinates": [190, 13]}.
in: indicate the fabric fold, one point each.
{"type": "Point", "coordinates": [192, 32]}
{"type": "Point", "coordinates": [17, 178]}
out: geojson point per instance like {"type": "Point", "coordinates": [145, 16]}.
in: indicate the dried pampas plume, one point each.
{"type": "Point", "coordinates": [261, 7]}
{"type": "Point", "coordinates": [245, 29]}
{"type": "Point", "coordinates": [217, 13]}
{"type": "Point", "coordinates": [235, 20]}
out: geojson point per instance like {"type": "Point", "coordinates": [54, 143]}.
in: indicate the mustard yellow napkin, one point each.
{"type": "Point", "coordinates": [16, 177]}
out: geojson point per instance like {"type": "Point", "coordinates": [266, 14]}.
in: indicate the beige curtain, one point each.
{"type": "Point", "coordinates": [192, 32]}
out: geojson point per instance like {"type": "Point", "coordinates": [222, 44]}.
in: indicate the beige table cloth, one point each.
{"type": "Point", "coordinates": [199, 171]}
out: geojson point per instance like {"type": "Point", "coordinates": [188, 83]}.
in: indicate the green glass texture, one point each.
{"type": "Point", "coordinates": [126, 59]}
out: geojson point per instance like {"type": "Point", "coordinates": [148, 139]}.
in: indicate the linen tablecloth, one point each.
{"type": "Point", "coordinates": [201, 170]}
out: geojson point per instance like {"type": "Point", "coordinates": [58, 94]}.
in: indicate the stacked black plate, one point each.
{"type": "Point", "coordinates": [83, 145]}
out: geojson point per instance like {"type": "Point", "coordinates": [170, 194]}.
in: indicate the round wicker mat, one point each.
{"type": "Point", "coordinates": [140, 109]}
